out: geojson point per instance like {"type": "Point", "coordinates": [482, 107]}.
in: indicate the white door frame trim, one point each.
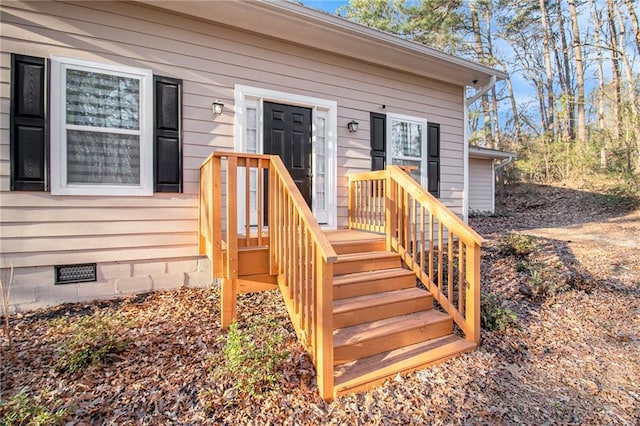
{"type": "Point", "coordinates": [330, 112]}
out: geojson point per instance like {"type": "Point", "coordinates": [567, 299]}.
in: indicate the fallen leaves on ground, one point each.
{"type": "Point", "coordinates": [571, 358]}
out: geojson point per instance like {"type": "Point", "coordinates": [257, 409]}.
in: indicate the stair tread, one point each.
{"type": "Point", "coordinates": [370, 275]}
{"type": "Point", "coordinates": [350, 257]}
{"type": "Point", "coordinates": [376, 299]}
{"type": "Point", "coordinates": [350, 236]}
{"type": "Point", "coordinates": [377, 367]}
{"type": "Point", "coordinates": [360, 333]}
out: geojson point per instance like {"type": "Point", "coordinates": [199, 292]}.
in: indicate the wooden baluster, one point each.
{"type": "Point", "coordinates": [414, 234]}
{"type": "Point", "coordinates": [272, 220]}
{"type": "Point", "coordinates": [460, 277]}
{"type": "Point", "coordinates": [431, 254]}
{"type": "Point", "coordinates": [260, 201]}
{"type": "Point", "coordinates": [247, 203]}
{"type": "Point", "coordinates": [305, 281]}
{"type": "Point", "coordinates": [450, 261]}
{"type": "Point", "coordinates": [422, 240]}
{"type": "Point", "coordinates": [406, 221]}
{"type": "Point", "coordinates": [440, 256]}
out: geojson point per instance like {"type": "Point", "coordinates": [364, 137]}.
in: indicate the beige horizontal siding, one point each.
{"type": "Point", "coordinates": [210, 59]}
{"type": "Point", "coordinates": [481, 185]}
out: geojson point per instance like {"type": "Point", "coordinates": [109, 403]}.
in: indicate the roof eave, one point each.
{"type": "Point", "coordinates": [280, 19]}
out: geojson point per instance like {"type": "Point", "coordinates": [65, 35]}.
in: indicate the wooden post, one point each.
{"type": "Point", "coordinates": [324, 327]}
{"type": "Point", "coordinates": [215, 217]}
{"type": "Point", "coordinates": [472, 314]}
{"type": "Point", "coordinates": [232, 217]}
{"type": "Point", "coordinates": [228, 299]}
{"type": "Point", "coordinates": [389, 210]}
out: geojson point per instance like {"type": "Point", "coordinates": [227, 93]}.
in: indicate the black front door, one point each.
{"type": "Point", "coordinates": [287, 133]}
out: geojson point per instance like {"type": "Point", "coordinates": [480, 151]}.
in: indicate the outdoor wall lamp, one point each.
{"type": "Point", "coordinates": [352, 126]}
{"type": "Point", "coordinates": [217, 106]}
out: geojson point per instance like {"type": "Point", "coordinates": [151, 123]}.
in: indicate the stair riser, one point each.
{"type": "Point", "coordinates": [352, 352]}
{"type": "Point", "coordinates": [378, 381]}
{"type": "Point", "coordinates": [378, 312]}
{"type": "Point", "coordinates": [362, 288]}
{"type": "Point", "coordinates": [359, 246]}
{"type": "Point", "coordinates": [365, 265]}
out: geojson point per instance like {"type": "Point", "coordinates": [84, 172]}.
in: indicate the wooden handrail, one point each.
{"type": "Point", "coordinates": [448, 218]}
{"type": "Point", "coordinates": [441, 249]}
{"type": "Point", "coordinates": [300, 255]}
{"type": "Point", "coordinates": [326, 249]}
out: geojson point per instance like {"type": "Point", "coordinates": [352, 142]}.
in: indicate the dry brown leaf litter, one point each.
{"type": "Point", "coordinates": [572, 359]}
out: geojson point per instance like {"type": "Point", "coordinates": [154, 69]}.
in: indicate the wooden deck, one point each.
{"type": "Point", "coordinates": [352, 294]}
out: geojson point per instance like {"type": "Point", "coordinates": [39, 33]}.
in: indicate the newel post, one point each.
{"type": "Point", "coordinates": [324, 328]}
{"type": "Point", "coordinates": [389, 209]}
{"type": "Point", "coordinates": [230, 283]}
{"type": "Point", "coordinates": [473, 293]}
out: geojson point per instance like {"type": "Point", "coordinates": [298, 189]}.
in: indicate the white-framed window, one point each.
{"type": "Point", "coordinates": [101, 129]}
{"type": "Point", "coordinates": [407, 146]}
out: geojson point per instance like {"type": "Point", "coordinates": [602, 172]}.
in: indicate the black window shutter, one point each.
{"type": "Point", "coordinates": [378, 141]}
{"type": "Point", "coordinates": [433, 160]}
{"type": "Point", "coordinates": [28, 123]}
{"type": "Point", "coordinates": [167, 135]}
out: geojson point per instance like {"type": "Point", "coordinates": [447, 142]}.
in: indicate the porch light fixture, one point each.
{"type": "Point", "coordinates": [352, 126]}
{"type": "Point", "coordinates": [217, 106]}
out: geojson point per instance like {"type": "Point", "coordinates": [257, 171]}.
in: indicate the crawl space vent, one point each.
{"type": "Point", "coordinates": [66, 274]}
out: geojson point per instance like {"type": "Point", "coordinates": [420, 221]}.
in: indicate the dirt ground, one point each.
{"type": "Point", "coordinates": [570, 356]}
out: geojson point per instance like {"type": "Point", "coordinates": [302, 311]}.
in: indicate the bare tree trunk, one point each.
{"type": "Point", "coordinates": [569, 96]}
{"type": "Point", "coordinates": [629, 101]}
{"type": "Point", "coordinates": [479, 49]}
{"type": "Point", "coordinates": [550, 123]}
{"type": "Point", "coordinates": [577, 51]}
{"type": "Point", "coordinates": [634, 21]}
{"type": "Point", "coordinates": [514, 111]}
{"type": "Point", "coordinates": [597, 24]}
{"type": "Point", "coordinates": [494, 98]}
{"type": "Point", "coordinates": [615, 65]}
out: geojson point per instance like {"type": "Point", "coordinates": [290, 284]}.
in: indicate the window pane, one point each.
{"type": "Point", "coordinates": [406, 139]}
{"type": "Point", "coordinates": [321, 160]}
{"type": "Point", "coordinates": [103, 158]}
{"type": "Point", "coordinates": [251, 118]}
{"type": "Point", "coordinates": [102, 100]}
{"type": "Point", "coordinates": [415, 173]}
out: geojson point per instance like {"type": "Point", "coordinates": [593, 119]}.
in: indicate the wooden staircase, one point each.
{"type": "Point", "coordinates": [352, 294]}
{"type": "Point", "coordinates": [383, 323]}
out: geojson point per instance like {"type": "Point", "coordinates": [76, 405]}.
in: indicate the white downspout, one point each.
{"type": "Point", "coordinates": [465, 162]}
{"type": "Point", "coordinates": [465, 167]}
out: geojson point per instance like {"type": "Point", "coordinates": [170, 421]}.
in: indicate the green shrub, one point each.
{"type": "Point", "coordinates": [515, 244]}
{"type": "Point", "coordinates": [93, 340]}
{"type": "Point", "coordinates": [253, 357]}
{"type": "Point", "coordinates": [23, 409]}
{"type": "Point", "coordinates": [495, 314]}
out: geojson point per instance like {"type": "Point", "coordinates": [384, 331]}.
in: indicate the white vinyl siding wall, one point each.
{"type": "Point", "coordinates": [481, 185]}
{"type": "Point", "coordinates": [37, 228]}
